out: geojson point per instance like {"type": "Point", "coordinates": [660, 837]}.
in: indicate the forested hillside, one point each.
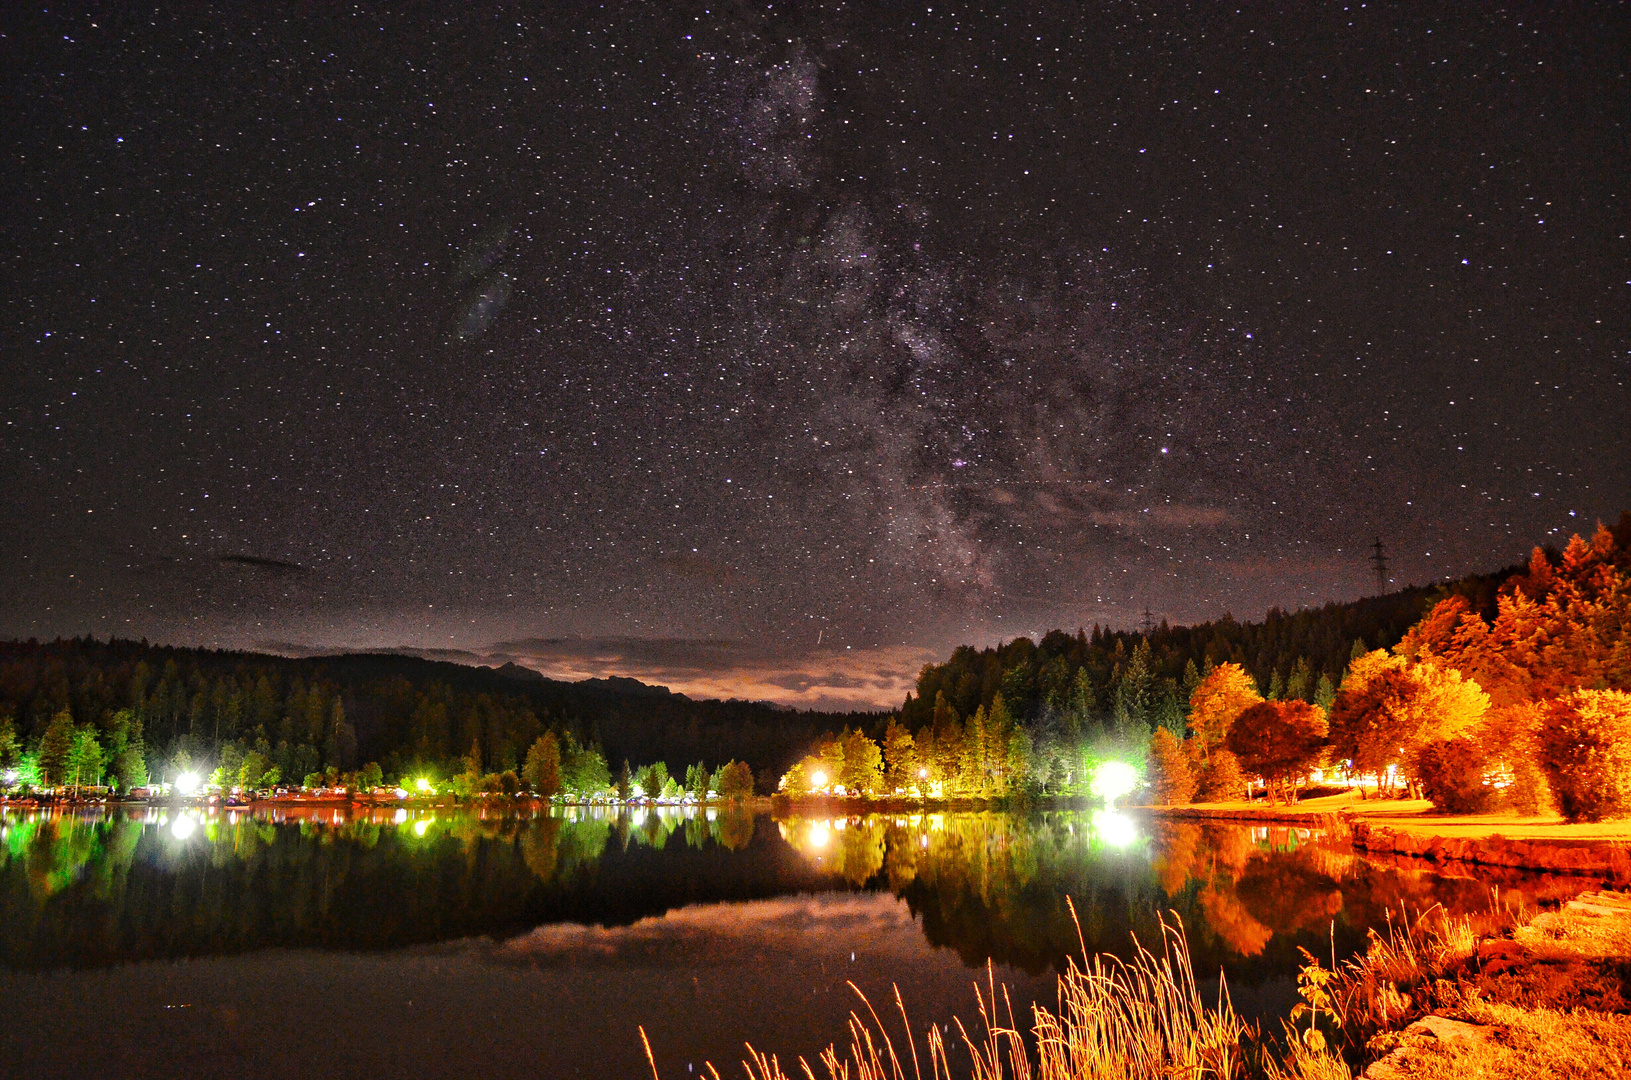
{"type": "Point", "coordinates": [1110, 678]}
{"type": "Point", "coordinates": [408, 714]}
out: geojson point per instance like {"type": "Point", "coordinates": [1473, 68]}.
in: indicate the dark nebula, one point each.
{"type": "Point", "coordinates": [793, 347]}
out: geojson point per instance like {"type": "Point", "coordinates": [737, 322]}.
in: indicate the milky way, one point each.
{"type": "Point", "coordinates": [795, 335]}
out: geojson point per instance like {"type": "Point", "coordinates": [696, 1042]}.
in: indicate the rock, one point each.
{"type": "Point", "coordinates": [1426, 1032]}
{"type": "Point", "coordinates": [1504, 948]}
{"type": "Point", "coordinates": [1444, 1029]}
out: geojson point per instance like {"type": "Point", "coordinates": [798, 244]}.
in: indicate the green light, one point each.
{"type": "Point", "coordinates": [1113, 779]}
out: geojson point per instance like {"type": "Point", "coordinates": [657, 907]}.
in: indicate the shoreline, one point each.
{"type": "Point", "coordinates": [1600, 850]}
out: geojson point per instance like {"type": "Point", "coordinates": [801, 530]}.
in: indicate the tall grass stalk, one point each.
{"type": "Point", "coordinates": [1142, 1019]}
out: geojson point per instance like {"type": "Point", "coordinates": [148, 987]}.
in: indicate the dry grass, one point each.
{"type": "Point", "coordinates": [1521, 1043]}
{"type": "Point", "coordinates": [1145, 1019]}
{"type": "Point", "coordinates": [1594, 926]}
{"type": "Point", "coordinates": [1142, 1019]}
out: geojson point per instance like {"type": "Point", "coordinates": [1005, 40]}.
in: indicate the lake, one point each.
{"type": "Point", "coordinates": [442, 942]}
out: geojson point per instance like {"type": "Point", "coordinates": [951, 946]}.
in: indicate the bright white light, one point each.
{"type": "Point", "coordinates": [1113, 779]}
{"type": "Point", "coordinates": [818, 779]}
{"type": "Point", "coordinates": [401, 816]}
{"type": "Point", "coordinates": [1113, 829]}
{"type": "Point", "coordinates": [419, 827]}
{"type": "Point", "coordinates": [421, 784]}
{"type": "Point", "coordinates": [819, 835]}
{"type": "Point", "coordinates": [923, 774]}
{"type": "Point", "coordinates": [183, 826]}
{"type": "Point", "coordinates": [187, 783]}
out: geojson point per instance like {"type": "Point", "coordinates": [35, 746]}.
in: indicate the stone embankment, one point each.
{"type": "Point", "coordinates": [1606, 860]}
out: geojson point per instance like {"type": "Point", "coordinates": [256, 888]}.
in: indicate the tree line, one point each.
{"type": "Point", "coordinates": [86, 712]}
{"type": "Point", "coordinates": [1496, 689]}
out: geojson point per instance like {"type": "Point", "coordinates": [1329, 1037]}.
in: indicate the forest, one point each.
{"type": "Point", "coordinates": [125, 712]}
{"type": "Point", "coordinates": [1408, 688]}
{"type": "Point", "coordinates": [1503, 691]}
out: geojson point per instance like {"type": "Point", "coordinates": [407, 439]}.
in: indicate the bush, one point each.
{"type": "Point", "coordinates": [1452, 774]}
{"type": "Point", "coordinates": [1171, 782]}
{"type": "Point", "coordinates": [1585, 751]}
{"type": "Point", "coordinates": [1220, 778]}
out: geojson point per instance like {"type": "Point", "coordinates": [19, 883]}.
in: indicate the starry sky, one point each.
{"type": "Point", "coordinates": [771, 350]}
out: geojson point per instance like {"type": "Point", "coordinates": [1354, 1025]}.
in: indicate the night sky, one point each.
{"type": "Point", "coordinates": [772, 350]}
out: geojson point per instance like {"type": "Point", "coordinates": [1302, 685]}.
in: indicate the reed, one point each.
{"type": "Point", "coordinates": [1142, 1019]}
{"type": "Point", "coordinates": [1399, 977]}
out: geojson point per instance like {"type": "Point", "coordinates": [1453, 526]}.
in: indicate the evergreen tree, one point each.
{"type": "Point", "coordinates": [1171, 782]}
{"type": "Point", "coordinates": [84, 764]}
{"type": "Point", "coordinates": [55, 746]}
{"type": "Point", "coordinates": [1325, 693]}
{"type": "Point", "coordinates": [542, 771]}
{"type": "Point", "coordinates": [900, 756]}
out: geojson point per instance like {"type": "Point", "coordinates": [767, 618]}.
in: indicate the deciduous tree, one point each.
{"type": "Point", "coordinates": [1585, 748]}
{"type": "Point", "coordinates": [1278, 740]}
{"type": "Point", "coordinates": [1223, 694]}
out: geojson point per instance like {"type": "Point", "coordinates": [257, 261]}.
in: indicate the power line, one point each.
{"type": "Point", "coordinates": [1378, 562]}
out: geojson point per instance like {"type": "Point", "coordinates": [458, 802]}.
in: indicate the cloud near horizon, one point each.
{"type": "Point", "coordinates": [826, 679]}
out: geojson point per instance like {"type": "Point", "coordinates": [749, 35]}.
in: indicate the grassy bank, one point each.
{"type": "Point", "coordinates": [1410, 815]}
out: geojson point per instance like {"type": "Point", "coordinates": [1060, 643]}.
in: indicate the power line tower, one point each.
{"type": "Point", "coordinates": [1378, 561]}
{"type": "Point", "coordinates": [1149, 621]}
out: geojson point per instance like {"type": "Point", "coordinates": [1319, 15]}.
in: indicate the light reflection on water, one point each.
{"type": "Point", "coordinates": [94, 888]}
{"type": "Point", "coordinates": [433, 941]}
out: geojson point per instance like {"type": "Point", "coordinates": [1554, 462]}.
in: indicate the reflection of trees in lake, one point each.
{"type": "Point", "coordinates": [84, 890]}
{"type": "Point", "coordinates": [107, 889]}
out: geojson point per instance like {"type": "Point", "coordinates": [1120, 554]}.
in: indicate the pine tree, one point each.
{"type": "Point", "coordinates": [55, 746]}
{"type": "Point", "coordinates": [542, 771]}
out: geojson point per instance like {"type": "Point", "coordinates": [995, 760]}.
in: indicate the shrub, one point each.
{"type": "Point", "coordinates": [1219, 778]}
{"type": "Point", "coordinates": [1585, 751]}
{"type": "Point", "coordinates": [1171, 782]}
{"type": "Point", "coordinates": [1452, 774]}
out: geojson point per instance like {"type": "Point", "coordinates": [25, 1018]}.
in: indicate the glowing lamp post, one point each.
{"type": "Point", "coordinates": [818, 780]}
{"type": "Point", "coordinates": [187, 783]}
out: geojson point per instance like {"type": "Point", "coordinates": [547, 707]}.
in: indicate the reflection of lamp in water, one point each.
{"type": "Point", "coordinates": [818, 779]}
{"type": "Point", "coordinates": [419, 827]}
{"type": "Point", "coordinates": [187, 783]}
{"type": "Point", "coordinates": [401, 815]}
{"type": "Point", "coordinates": [1113, 829]}
{"type": "Point", "coordinates": [183, 826]}
{"type": "Point", "coordinates": [1113, 779]}
{"type": "Point", "coordinates": [819, 835]}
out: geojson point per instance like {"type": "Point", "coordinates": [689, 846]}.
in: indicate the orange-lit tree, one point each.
{"type": "Point", "coordinates": [1390, 709]}
{"type": "Point", "coordinates": [1171, 782]}
{"type": "Point", "coordinates": [1220, 697]}
{"type": "Point", "coordinates": [1279, 741]}
{"type": "Point", "coordinates": [1585, 748]}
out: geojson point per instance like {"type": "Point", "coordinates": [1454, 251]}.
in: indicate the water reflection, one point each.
{"type": "Point", "coordinates": [102, 888]}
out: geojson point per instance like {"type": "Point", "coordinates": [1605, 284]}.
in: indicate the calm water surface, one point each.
{"type": "Point", "coordinates": [438, 943]}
